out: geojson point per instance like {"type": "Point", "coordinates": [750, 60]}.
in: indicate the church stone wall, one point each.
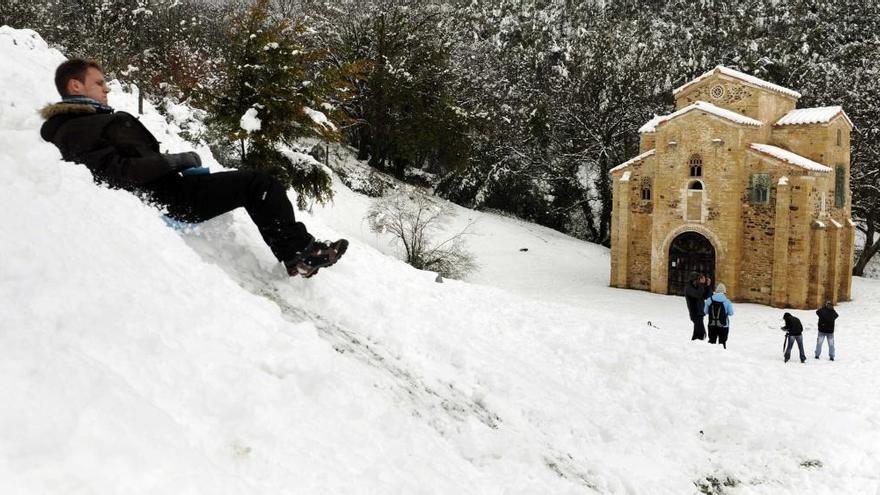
{"type": "Point", "coordinates": [739, 97]}
{"type": "Point", "coordinates": [641, 218]}
{"type": "Point", "coordinates": [759, 230]}
{"type": "Point", "coordinates": [639, 275]}
{"type": "Point", "coordinates": [719, 145]}
{"type": "Point", "coordinates": [795, 250]}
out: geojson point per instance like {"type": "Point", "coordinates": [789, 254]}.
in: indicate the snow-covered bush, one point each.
{"type": "Point", "coordinates": [414, 219]}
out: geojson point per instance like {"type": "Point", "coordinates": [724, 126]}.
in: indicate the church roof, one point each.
{"type": "Point", "coordinates": [818, 115]}
{"type": "Point", "coordinates": [789, 157]}
{"type": "Point", "coordinates": [651, 125]}
{"type": "Point", "coordinates": [742, 77]}
{"type": "Point", "coordinates": [631, 161]}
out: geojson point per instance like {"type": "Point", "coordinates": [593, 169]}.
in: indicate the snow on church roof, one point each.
{"type": "Point", "coordinates": [652, 124]}
{"type": "Point", "coordinates": [789, 157]}
{"type": "Point", "coordinates": [818, 115]}
{"type": "Point", "coordinates": [631, 161]}
{"type": "Point", "coordinates": [742, 77]}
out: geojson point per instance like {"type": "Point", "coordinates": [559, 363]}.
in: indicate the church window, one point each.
{"type": "Point", "coordinates": [839, 184]}
{"type": "Point", "coordinates": [646, 189]}
{"type": "Point", "coordinates": [839, 137]}
{"type": "Point", "coordinates": [760, 188]}
{"type": "Point", "coordinates": [696, 164]}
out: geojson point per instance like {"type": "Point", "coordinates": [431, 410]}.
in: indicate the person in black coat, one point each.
{"type": "Point", "coordinates": [794, 333]}
{"type": "Point", "coordinates": [696, 291]}
{"type": "Point", "coordinates": [826, 315]}
{"type": "Point", "coordinates": [122, 153]}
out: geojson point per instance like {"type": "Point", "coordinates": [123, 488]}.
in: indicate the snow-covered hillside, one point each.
{"type": "Point", "coordinates": [139, 359]}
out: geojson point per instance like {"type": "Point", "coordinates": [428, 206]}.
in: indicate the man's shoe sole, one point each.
{"type": "Point", "coordinates": [340, 250]}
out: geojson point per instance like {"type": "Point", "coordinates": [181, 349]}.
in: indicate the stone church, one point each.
{"type": "Point", "coordinates": [739, 184]}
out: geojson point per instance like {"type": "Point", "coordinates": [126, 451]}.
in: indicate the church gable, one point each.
{"type": "Point", "coordinates": [739, 92]}
{"type": "Point", "coordinates": [724, 93]}
{"type": "Point", "coordinates": [721, 75]}
{"type": "Point", "coordinates": [704, 108]}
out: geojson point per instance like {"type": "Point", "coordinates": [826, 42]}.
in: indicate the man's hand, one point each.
{"type": "Point", "coordinates": [182, 161]}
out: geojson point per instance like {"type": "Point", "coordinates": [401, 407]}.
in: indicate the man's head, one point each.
{"type": "Point", "coordinates": [78, 77]}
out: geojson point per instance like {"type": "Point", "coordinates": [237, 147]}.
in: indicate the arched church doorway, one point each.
{"type": "Point", "coordinates": [689, 252]}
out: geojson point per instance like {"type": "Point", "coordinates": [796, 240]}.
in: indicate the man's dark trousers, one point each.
{"type": "Point", "coordinates": [699, 329]}
{"type": "Point", "coordinates": [800, 342]}
{"type": "Point", "coordinates": [196, 198]}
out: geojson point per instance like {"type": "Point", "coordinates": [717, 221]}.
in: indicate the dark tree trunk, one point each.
{"type": "Point", "coordinates": [870, 249]}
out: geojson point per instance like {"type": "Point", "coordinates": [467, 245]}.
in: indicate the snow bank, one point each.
{"type": "Point", "coordinates": [137, 359]}
{"type": "Point", "coordinates": [132, 363]}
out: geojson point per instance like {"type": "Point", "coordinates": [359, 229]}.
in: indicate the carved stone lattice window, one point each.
{"type": "Point", "coordinates": [696, 165]}
{"type": "Point", "coordinates": [760, 188]}
{"type": "Point", "coordinates": [839, 184]}
{"type": "Point", "coordinates": [717, 91]}
{"type": "Point", "coordinates": [736, 93]}
{"type": "Point", "coordinates": [646, 189]}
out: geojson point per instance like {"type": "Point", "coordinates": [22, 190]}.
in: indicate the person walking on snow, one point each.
{"type": "Point", "coordinates": [827, 315]}
{"type": "Point", "coordinates": [696, 291]}
{"type": "Point", "coordinates": [121, 152]}
{"type": "Point", "coordinates": [720, 309]}
{"type": "Point", "coordinates": [794, 334]}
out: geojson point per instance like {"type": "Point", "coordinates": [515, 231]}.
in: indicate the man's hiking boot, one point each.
{"type": "Point", "coordinates": [315, 256]}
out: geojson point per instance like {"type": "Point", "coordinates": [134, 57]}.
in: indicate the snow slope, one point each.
{"type": "Point", "coordinates": [138, 359]}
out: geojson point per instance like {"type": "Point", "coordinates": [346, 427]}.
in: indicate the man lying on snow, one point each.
{"type": "Point", "coordinates": [120, 151]}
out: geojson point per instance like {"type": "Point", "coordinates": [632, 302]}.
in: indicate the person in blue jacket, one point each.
{"type": "Point", "coordinates": [719, 309]}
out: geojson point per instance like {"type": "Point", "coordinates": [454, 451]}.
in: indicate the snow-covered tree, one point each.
{"type": "Point", "coordinates": [264, 98]}
{"type": "Point", "coordinates": [404, 111]}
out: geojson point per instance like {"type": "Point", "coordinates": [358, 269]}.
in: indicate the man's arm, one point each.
{"type": "Point", "coordinates": [108, 165]}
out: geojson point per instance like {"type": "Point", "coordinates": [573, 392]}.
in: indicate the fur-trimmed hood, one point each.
{"type": "Point", "coordinates": [63, 107]}
{"type": "Point", "coordinates": [70, 108]}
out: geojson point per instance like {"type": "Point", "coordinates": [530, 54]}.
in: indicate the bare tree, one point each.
{"type": "Point", "coordinates": [414, 218]}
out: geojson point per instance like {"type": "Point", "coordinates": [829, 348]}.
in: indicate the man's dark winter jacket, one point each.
{"type": "Point", "coordinates": [116, 147]}
{"type": "Point", "coordinates": [695, 294]}
{"type": "Point", "coordinates": [826, 319]}
{"type": "Point", "coordinates": [792, 324]}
